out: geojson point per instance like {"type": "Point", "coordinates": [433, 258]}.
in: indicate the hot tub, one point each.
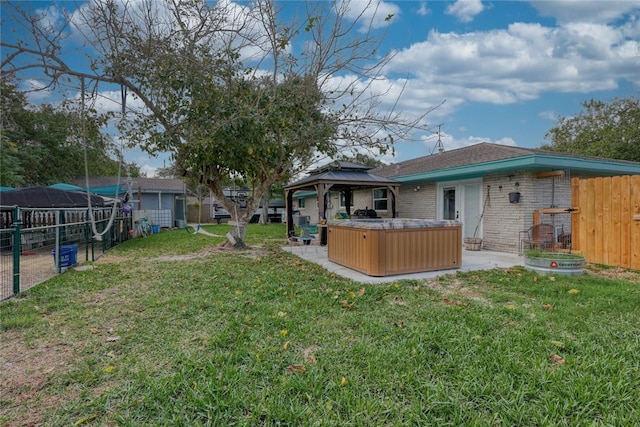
{"type": "Point", "coordinates": [383, 247]}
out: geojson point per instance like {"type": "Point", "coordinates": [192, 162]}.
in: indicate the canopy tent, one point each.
{"type": "Point", "coordinates": [109, 190]}
{"type": "Point", "coordinates": [68, 187]}
{"type": "Point", "coordinates": [344, 177]}
{"type": "Point", "coordinates": [48, 197]}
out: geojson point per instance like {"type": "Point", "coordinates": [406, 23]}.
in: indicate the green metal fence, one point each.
{"type": "Point", "coordinates": [37, 244]}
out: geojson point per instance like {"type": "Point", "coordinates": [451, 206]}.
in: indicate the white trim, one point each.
{"type": "Point", "coordinates": [459, 187]}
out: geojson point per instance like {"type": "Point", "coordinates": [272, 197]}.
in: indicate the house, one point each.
{"type": "Point", "coordinates": [162, 200]}
{"type": "Point", "coordinates": [494, 190]}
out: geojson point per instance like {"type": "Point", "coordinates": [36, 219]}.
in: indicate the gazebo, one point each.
{"type": "Point", "coordinates": [344, 177]}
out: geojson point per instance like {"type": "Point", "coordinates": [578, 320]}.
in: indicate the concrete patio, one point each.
{"type": "Point", "coordinates": [471, 261]}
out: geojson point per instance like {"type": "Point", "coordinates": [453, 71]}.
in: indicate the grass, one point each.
{"type": "Point", "coordinates": [154, 335]}
{"type": "Point", "coordinates": [538, 253]}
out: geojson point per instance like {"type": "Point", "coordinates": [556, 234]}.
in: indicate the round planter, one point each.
{"type": "Point", "coordinates": [472, 243]}
{"type": "Point", "coordinates": [555, 263]}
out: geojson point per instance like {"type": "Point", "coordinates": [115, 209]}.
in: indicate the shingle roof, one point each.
{"type": "Point", "coordinates": [486, 157]}
{"type": "Point", "coordinates": [167, 185]}
{"type": "Point", "coordinates": [342, 174]}
{"type": "Point", "coordinates": [473, 154]}
{"type": "Point", "coordinates": [343, 177]}
{"type": "Point", "coordinates": [341, 165]}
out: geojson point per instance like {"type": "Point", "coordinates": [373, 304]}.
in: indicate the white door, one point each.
{"type": "Point", "coordinates": [472, 225]}
{"type": "Point", "coordinates": [462, 201]}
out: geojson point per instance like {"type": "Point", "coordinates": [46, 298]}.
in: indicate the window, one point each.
{"type": "Point", "coordinates": [342, 204]}
{"type": "Point", "coordinates": [301, 203]}
{"type": "Point", "coordinates": [380, 199]}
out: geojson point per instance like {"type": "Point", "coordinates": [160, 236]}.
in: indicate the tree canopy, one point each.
{"type": "Point", "coordinates": [602, 129]}
{"type": "Point", "coordinates": [43, 145]}
{"type": "Point", "coordinates": [232, 91]}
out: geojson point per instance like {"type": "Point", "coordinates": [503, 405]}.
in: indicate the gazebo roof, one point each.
{"type": "Point", "coordinates": [342, 175]}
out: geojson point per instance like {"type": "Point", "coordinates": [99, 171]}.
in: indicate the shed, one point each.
{"type": "Point", "coordinates": [162, 199]}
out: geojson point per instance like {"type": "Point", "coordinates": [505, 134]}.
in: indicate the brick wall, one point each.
{"type": "Point", "coordinates": [417, 203]}
{"type": "Point", "coordinates": [504, 221]}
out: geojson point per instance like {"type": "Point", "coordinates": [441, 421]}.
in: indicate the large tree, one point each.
{"type": "Point", "coordinates": [233, 92]}
{"type": "Point", "coordinates": [603, 129]}
{"type": "Point", "coordinates": [44, 144]}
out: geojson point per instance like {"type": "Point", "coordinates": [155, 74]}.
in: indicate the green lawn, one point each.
{"type": "Point", "coordinates": [171, 330]}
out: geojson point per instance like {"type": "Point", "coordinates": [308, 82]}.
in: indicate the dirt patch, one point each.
{"type": "Point", "coordinates": [110, 258]}
{"type": "Point", "coordinates": [24, 374]}
{"type": "Point", "coordinates": [456, 289]}
{"type": "Point", "coordinates": [253, 252]}
{"type": "Point", "coordinates": [631, 276]}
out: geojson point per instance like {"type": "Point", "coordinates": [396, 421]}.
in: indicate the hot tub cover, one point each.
{"type": "Point", "coordinates": [394, 223]}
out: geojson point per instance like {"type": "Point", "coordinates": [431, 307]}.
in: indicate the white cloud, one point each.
{"type": "Point", "coordinates": [423, 10]}
{"type": "Point", "coordinates": [429, 145]}
{"type": "Point", "coordinates": [602, 12]}
{"type": "Point", "coordinates": [548, 115]}
{"type": "Point", "coordinates": [148, 170]}
{"type": "Point", "coordinates": [49, 19]}
{"type": "Point", "coordinates": [371, 12]}
{"type": "Point", "coordinates": [36, 91]}
{"type": "Point", "coordinates": [518, 63]}
{"type": "Point", "coordinates": [465, 10]}
{"type": "Point", "coordinates": [110, 101]}
{"type": "Point", "coordinates": [449, 142]}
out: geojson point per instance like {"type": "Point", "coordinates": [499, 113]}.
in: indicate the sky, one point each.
{"type": "Point", "coordinates": [503, 71]}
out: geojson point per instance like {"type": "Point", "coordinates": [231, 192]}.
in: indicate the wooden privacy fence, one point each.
{"type": "Point", "coordinates": [605, 225]}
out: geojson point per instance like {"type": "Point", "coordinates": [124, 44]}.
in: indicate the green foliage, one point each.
{"type": "Point", "coordinates": [363, 159]}
{"type": "Point", "coordinates": [538, 253]}
{"type": "Point", "coordinates": [610, 130]}
{"type": "Point", "coordinates": [212, 338]}
{"type": "Point", "coordinates": [44, 145]}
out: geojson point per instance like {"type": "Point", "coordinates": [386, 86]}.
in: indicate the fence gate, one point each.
{"type": "Point", "coordinates": [605, 227]}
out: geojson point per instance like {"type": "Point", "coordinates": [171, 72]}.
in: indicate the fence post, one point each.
{"type": "Point", "coordinates": [87, 230]}
{"type": "Point", "coordinates": [17, 243]}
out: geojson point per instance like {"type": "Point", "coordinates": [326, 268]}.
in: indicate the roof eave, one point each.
{"type": "Point", "coordinates": [534, 162]}
{"type": "Point", "coordinates": [369, 184]}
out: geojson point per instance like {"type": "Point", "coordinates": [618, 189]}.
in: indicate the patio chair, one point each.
{"type": "Point", "coordinates": [304, 238]}
{"type": "Point", "coordinates": [538, 236]}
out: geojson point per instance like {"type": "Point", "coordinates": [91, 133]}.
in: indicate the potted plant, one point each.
{"type": "Point", "coordinates": [554, 262]}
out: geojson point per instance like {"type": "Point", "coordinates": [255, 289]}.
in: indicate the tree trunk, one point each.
{"type": "Point", "coordinates": [240, 218]}
{"type": "Point", "coordinates": [238, 230]}
{"type": "Point", "coordinates": [264, 215]}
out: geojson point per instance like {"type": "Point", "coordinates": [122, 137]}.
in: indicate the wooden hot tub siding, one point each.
{"type": "Point", "coordinates": [384, 252]}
